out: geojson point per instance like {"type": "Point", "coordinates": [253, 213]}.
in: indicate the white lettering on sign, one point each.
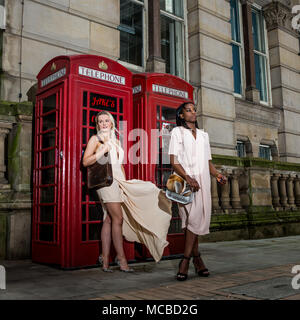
{"type": "Point", "coordinates": [137, 89]}
{"type": "Point", "coordinates": [96, 74]}
{"type": "Point", "coordinates": [170, 91]}
{"type": "Point", "coordinates": [60, 73]}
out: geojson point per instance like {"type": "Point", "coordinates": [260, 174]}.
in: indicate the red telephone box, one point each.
{"type": "Point", "coordinates": [155, 99]}
{"type": "Point", "coordinates": [66, 216]}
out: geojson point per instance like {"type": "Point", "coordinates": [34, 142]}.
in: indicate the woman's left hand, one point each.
{"type": "Point", "coordinates": [221, 179]}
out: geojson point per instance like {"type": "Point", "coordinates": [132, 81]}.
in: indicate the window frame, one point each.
{"type": "Point", "coordinates": [129, 65]}
{"type": "Point", "coordinates": [183, 21]}
{"type": "Point", "coordinates": [241, 53]}
{"type": "Point", "coordinates": [258, 9]}
{"type": "Point", "coordinates": [244, 148]}
{"type": "Point", "coordinates": [266, 146]}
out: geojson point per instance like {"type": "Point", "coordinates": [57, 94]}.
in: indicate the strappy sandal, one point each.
{"type": "Point", "coordinates": [182, 276]}
{"type": "Point", "coordinates": [129, 270]}
{"type": "Point", "coordinates": [100, 259]}
{"type": "Point", "coordinates": [203, 272]}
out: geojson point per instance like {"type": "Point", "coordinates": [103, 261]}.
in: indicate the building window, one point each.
{"type": "Point", "coordinates": [241, 150]}
{"type": "Point", "coordinates": [260, 56]}
{"type": "Point", "coordinates": [172, 36]}
{"type": "Point", "coordinates": [131, 31]}
{"type": "Point", "coordinates": [265, 152]}
{"type": "Point", "coordinates": [237, 45]}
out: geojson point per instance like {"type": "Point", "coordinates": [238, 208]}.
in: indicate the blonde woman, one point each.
{"type": "Point", "coordinates": [135, 209]}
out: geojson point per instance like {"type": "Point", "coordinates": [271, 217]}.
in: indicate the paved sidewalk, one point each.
{"type": "Point", "coordinates": [240, 270]}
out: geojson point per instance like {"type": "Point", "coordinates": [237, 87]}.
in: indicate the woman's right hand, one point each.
{"type": "Point", "coordinates": [104, 148]}
{"type": "Point", "coordinates": [193, 183]}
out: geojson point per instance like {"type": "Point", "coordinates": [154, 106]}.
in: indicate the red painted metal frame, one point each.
{"type": "Point", "coordinates": [62, 74]}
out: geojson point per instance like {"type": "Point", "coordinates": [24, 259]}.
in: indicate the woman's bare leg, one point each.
{"type": "Point", "coordinates": [198, 262]}
{"type": "Point", "coordinates": [195, 251]}
{"type": "Point", "coordinates": [115, 211]}
{"type": "Point", "coordinates": [188, 248]}
{"type": "Point", "coordinates": [106, 241]}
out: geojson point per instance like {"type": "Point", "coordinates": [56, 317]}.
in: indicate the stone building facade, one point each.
{"type": "Point", "coordinates": [241, 56]}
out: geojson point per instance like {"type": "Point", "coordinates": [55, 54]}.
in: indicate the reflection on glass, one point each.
{"type": "Point", "coordinates": [48, 139]}
{"type": "Point", "coordinates": [260, 76]}
{"type": "Point", "coordinates": [157, 112]}
{"type": "Point", "coordinates": [258, 31]}
{"type": "Point", "coordinates": [95, 212]}
{"type": "Point", "coordinates": [47, 213]}
{"type": "Point", "coordinates": [94, 231]}
{"type": "Point", "coordinates": [48, 157]}
{"type": "Point", "coordinates": [92, 132]}
{"type": "Point", "coordinates": [131, 32]}
{"type": "Point", "coordinates": [84, 102]}
{"type": "Point", "coordinates": [102, 102]}
{"type": "Point", "coordinates": [236, 69]}
{"type": "Point", "coordinates": [49, 121]}
{"type": "Point", "coordinates": [121, 105]}
{"type": "Point", "coordinates": [48, 176]}
{"type": "Point", "coordinates": [49, 103]}
{"type": "Point", "coordinates": [172, 6]}
{"type": "Point", "coordinates": [46, 233]}
{"type": "Point", "coordinates": [172, 45]}
{"type": "Point", "coordinates": [84, 117]}
{"type": "Point", "coordinates": [168, 114]}
{"type": "Point", "coordinates": [235, 21]}
{"type": "Point", "coordinates": [83, 135]}
{"type": "Point", "coordinates": [83, 210]}
{"type": "Point", "coordinates": [83, 232]}
{"type": "Point", "coordinates": [47, 195]}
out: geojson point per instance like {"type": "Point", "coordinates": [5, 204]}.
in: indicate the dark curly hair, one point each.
{"type": "Point", "coordinates": [179, 120]}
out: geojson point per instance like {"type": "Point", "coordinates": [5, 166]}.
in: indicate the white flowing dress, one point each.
{"type": "Point", "coordinates": [146, 210]}
{"type": "Point", "coordinates": [194, 155]}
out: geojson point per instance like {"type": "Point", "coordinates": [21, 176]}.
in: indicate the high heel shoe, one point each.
{"type": "Point", "coordinates": [129, 270]}
{"type": "Point", "coordinates": [182, 276]}
{"type": "Point", "coordinates": [203, 272]}
{"type": "Point", "coordinates": [100, 259]}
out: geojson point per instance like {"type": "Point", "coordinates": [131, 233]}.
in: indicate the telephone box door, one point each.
{"type": "Point", "coordinates": [47, 177]}
{"type": "Point", "coordinates": [164, 115]}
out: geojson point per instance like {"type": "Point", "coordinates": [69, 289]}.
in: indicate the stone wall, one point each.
{"type": "Point", "coordinates": [52, 28]}
{"type": "Point", "coordinates": [210, 72]}
{"type": "Point", "coordinates": [285, 77]}
{"type": "Point", "coordinates": [15, 179]}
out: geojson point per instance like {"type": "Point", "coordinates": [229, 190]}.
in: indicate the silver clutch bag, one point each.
{"type": "Point", "coordinates": [178, 190]}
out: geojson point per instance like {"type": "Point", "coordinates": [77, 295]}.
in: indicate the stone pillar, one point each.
{"type": "Point", "coordinates": [282, 190]}
{"type": "Point", "coordinates": [252, 93]}
{"type": "Point", "coordinates": [155, 63]}
{"type": "Point", "coordinates": [235, 192]}
{"type": "Point", "coordinates": [284, 67]}
{"type": "Point", "coordinates": [274, 190]}
{"type": "Point", "coordinates": [209, 33]}
{"type": "Point", "coordinates": [297, 190]}
{"type": "Point", "coordinates": [19, 154]}
{"type": "Point", "coordinates": [290, 191]}
{"type": "Point", "coordinates": [225, 198]}
{"type": "Point", "coordinates": [4, 130]}
{"type": "Point", "coordinates": [214, 194]}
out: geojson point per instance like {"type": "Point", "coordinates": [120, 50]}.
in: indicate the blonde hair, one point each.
{"type": "Point", "coordinates": [113, 129]}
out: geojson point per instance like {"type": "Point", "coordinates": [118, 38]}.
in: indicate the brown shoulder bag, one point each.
{"type": "Point", "coordinates": [100, 175]}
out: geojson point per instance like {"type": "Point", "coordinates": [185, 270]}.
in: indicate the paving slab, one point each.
{"type": "Point", "coordinates": [271, 289]}
{"type": "Point", "coordinates": [242, 267]}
